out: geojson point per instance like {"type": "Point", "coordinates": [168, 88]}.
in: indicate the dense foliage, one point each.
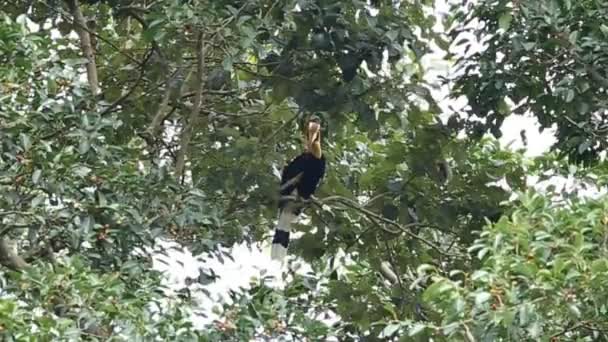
{"type": "Point", "coordinates": [124, 123]}
{"type": "Point", "coordinates": [543, 57]}
{"type": "Point", "coordinates": [542, 277]}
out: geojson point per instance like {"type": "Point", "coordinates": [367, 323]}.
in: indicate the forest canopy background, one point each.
{"type": "Point", "coordinates": [128, 123]}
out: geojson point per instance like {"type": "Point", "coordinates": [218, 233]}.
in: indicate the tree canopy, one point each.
{"type": "Point", "coordinates": [125, 123]}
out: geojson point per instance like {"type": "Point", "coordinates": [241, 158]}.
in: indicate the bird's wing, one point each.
{"type": "Point", "coordinates": [292, 182]}
{"type": "Point", "coordinates": [291, 175]}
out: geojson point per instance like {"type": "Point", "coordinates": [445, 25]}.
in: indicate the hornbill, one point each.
{"type": "Point", "coordinates": [299, 178]}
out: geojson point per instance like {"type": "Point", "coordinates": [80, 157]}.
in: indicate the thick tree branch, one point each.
{"type": "Point", "coordinates": [85, 44]}
{"type": "Point", "coordinates": [190, 122]}
{"type": "Point", "coordinates": [161, 111]}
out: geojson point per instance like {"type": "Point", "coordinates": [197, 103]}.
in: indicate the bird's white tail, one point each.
{"type": "Point", "coordinates": [280, 241]}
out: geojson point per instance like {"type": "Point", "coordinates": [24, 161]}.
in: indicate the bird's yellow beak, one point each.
{"type": "Point", "coordinates": [313, 132]}
{"type": "Point", "coordinates": [314, 139]}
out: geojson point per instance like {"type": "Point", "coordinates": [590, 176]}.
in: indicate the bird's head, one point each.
{"type": "Point", "coordinates": [313, 136]}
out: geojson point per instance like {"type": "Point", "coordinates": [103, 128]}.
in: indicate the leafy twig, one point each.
{"type": "Point", "coordinates": [370, 214]}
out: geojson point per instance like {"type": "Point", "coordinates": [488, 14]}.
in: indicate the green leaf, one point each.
{"type": "Point", "coordinates": [573, 37]}
{"type": "Point", "coordinates": [436, 289]}
{"type": "Point", "coordinates": [459, 305]}
{"type": "Point", "coordinates": [416, 329]}
{"type": "Point", "coordinates": [482, 297]}
{"type": "Point", "coordinates": [573, 308]}
{"type": "Point", "coordinates": [227, 63]}
{"type": "Point", "coordinates": [81, 171]}
{"type": "Point", "coordinates": [390, 330]}
{"type": "Point", "coordinates": [599, 266]}
{"type": "Point", "coordinates": [424, 268]}
{"type": "Point", "coordinates": [528, 46]}
{"type": "Point", "coordinates": [503, 107]}
{"type": "Point", "coordinates": [37, 201]}
{"type": "Point", "coordinates": [392, 35]}
{"type": "Point", "coordinates": [480, 275]}
{"type": "Point", "coordinates": [84, 146]}
{"type": "Point", "coordinates": [584, 146]}
{"type": "Point", "coordinates": [569, 95]}
{"type": "Point", "coordinates": [26, 142]}
{"type": "Point", "coordinates": [280, 90]}
{"type": "Point", "coordinates": [508, 316]}
{"type": "Point", "coordinates": [504, 21]}
{"type": "Point", "coordinates": [36, 176]}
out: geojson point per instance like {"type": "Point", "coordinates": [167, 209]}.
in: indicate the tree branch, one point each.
{"type": "Point", "coordinates": [86, 29]}
{"type": "Point", "coordinates": [569, 329]}
{"type": "Point", "coordinates": [189, 124]}
{"type": "Point", "coordinates": [85, 44]}
{"type": "Point", "coordinates": [375, 218]}
{"type": "Point", "coordinates": [126, 95]}
{"type": "Point", "coordinates": [161, 113]}
{"type": "Point", "coordinates": [278, 130]}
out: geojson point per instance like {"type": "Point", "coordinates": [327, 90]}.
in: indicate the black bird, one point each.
{"type": "Point", "coordinates": [300, 178]}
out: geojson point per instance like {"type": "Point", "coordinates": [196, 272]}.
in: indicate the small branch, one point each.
{"type": "Point", "coordinates": [126, 95]}
{"type": "Point", "coordinates": [370, 214]}
{"type": "Point", "coordinates": [569, 329]}
{"type": "Point", "coordinates": [375, 198]}
{"type": "Point", "coordinates": [225, 115]}
{"type": "Point", "coordinates": [85, 44]}
{"type": "Point", "coordinates": [468, 334]}
{"type": "Point", "coordinates": [374, 218]}
{"type": "Point", "coordinates": [278, 130]}
{"type": "Point", "coordinates": [14, 212]}
{"type": "Point", "coordinates": [132, 11]}
{"type": "Point", "coordinates": [213, 92]}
